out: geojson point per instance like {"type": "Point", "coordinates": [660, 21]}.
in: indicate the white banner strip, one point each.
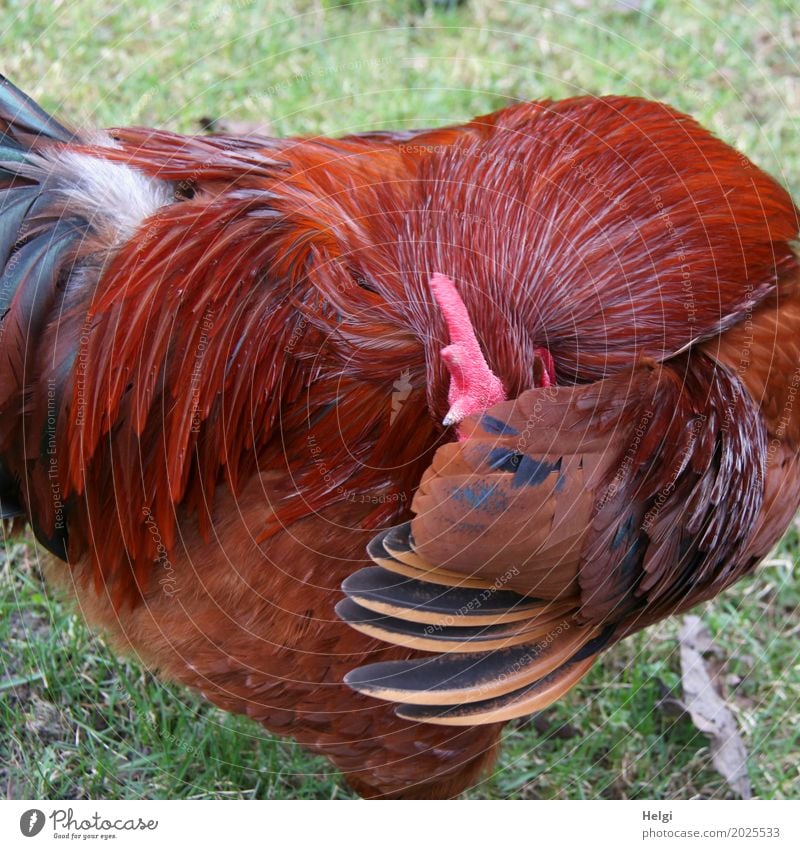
{"type": "Point", "coordinates": [384, 825]}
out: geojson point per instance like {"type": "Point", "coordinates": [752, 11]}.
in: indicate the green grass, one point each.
{"type": "Point", "coordinates": [77, 723]}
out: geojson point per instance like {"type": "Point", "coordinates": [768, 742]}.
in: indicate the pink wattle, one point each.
{"type": "Point", "coordinates": [473, 385]}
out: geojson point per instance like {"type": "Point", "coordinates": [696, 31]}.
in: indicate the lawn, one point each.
{"type": "Point", "coordinates": [76, 722]}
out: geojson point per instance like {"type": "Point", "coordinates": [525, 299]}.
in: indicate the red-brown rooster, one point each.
{"type": "Point", "coordinates": [560, 343]}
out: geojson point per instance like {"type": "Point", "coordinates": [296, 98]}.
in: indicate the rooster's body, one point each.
{"type": "Point", "coordinates": [200, 353]}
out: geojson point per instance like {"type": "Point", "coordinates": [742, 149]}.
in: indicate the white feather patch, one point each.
{"type": "Point", "coordinates": [113, 197]}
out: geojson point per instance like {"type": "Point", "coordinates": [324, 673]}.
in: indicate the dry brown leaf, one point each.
{"type": "Point", "coordinates": [708, 711]}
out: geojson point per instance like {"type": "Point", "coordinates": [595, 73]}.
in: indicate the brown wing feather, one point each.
{"type": "Point", "coordinates": [596, 483]}
{"type": "Point", "coordinates": [627, 497]}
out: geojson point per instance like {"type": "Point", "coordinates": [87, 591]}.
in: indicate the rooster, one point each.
{"type": "Point", "coordinates": [382, 440]}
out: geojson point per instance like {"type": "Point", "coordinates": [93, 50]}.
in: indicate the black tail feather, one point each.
{"type": "Point", "coordinates": [38, 244]}
{"type": "Point", "coordinates": [20, 115]}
